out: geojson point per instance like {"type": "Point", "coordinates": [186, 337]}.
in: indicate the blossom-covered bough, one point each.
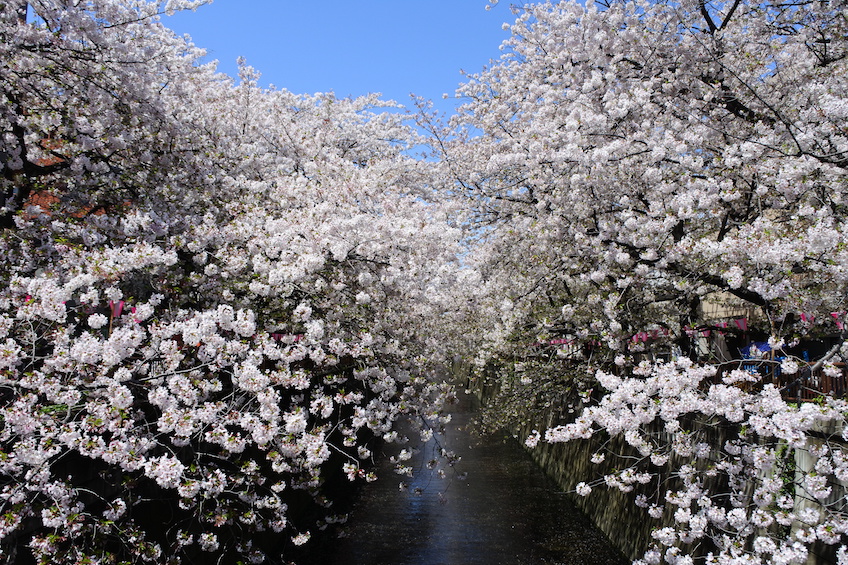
{"type": "Point", "coordinates": [628, 167]}
{"type": "Point", "coordinates": [214, 300]}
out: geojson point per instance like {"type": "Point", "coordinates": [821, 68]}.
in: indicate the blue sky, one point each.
{"type": "Point", "coordinates": [395, 47]}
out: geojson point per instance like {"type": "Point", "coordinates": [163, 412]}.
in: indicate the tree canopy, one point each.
{"type": "Point", "coordinates": [638, 176]}
{"type": "Point", "coordinates": [215, 298]}
{"type": "Point", "coordinates": [218, 299]}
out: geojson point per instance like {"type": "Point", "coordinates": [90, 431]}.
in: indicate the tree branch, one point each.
{"type": "Point", "coordinates": [729, 14]}
{"type": "Point", "coordinates": [702, 4]}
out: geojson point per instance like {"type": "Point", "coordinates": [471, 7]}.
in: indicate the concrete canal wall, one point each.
{"type": "Point", "coordinates": [627, 526]}
{"type": "Point", "coordinates": [612, 511]}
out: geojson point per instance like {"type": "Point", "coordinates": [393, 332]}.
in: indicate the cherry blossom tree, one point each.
{"type": "Point", "coordinates": [216, 299]}
{"type": "Point", "coordinates": [624, 164]}
{"type": "Point", "coordinates": [90, 103]}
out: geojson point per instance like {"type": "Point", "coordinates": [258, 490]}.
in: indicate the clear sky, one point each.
{"type": "Point", "coordinates": [394, 47]}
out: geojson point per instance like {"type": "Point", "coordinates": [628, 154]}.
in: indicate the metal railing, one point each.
{"type": "Point", "coordinates": [805, 385]}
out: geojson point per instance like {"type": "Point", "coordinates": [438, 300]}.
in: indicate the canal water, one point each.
{"type": "Point", "coordinates": [494, 507]}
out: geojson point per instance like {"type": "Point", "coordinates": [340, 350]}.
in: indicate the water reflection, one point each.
{"type": "Point", "coordinates": [504, 512]}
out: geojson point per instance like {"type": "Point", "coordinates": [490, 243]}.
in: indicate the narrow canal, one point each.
{"type": "Point", "coordinates": [498, 508]}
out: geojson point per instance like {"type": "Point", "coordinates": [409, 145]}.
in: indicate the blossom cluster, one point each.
{"type": "Point", "coordinates": [738, 497]}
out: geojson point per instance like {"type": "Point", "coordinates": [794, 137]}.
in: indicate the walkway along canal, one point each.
{"type": "Point", "coordinates": [498, 508]}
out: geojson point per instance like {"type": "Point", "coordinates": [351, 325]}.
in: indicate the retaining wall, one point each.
{"type": "Point", "coordinates": [627, 526]}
